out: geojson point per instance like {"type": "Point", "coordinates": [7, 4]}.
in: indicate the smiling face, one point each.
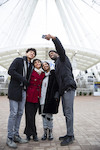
{"type": "Point", "coordinates": [37, 64]}
{"type": "Point", "coordinates": [46, 67]}
{"type": "Point", "coordinates": [30, 55]}
{"type": "Point", "coordinates": [53, 55]}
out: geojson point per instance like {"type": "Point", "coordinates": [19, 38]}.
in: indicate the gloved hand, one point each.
{"type": "Point", "coordinates": [25, 82]}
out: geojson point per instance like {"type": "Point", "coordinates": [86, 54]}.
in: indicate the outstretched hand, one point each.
{"type": "Point", "coordinates": [48, 37]}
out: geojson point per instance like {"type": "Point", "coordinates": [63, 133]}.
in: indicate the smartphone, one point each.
{"type": "Point", "coordinates": [43, 36]}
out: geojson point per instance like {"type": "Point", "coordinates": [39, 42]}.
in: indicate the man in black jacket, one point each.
{"type": "Point", "coordinates": [67, 86]}
{"type": "Point", "coordinates": [19, 71]}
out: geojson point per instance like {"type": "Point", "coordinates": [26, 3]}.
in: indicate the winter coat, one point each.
{"type": "Point", "coordinates": [63, 69]}
{"type": "Point", "coordinates": [51, 104]}
{"type": "Point", "coordinates": [34, 88]}
{"type": "Point", "coordinates": [17, 80]}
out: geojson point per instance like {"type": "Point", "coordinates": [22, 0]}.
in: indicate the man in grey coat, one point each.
{"type": "Point", "coordinates": [67, 86]}
{"type": "Point", "coordinates": [19, 71]}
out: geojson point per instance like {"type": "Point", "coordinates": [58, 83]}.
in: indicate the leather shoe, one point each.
{"type": "Point", "coordinates": [67, 141]}
{"type": "Point", "coordinates": [65, 137]}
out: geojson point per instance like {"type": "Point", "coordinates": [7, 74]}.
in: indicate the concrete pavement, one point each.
{"type": "Point", "coordinates": [86, 126]}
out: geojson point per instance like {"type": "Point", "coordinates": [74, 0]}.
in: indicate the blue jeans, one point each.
{"type": "Point", "coordinates": [16, 112]}
{"type": "Point", "coordinates": [67, 103]}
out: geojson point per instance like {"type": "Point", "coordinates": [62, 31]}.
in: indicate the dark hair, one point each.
{"type": "Point", "coordinates": [36, 60]}
{"type": "Point", "coordinates": [45, 62]}
{"type": "Point", "coordinates": [31, 49]}
{"type": "Point", "coordinates": [52, 51]}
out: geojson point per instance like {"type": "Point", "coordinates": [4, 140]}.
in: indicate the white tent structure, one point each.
{"type": "Point", "coordinates": [75, 22]}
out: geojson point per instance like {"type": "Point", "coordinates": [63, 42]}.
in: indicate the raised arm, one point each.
{"type": "Point", "coordinates": [59, 48]}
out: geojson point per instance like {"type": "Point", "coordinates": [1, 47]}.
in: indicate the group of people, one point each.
{"type": "Point", "coordinates": [37, 88]}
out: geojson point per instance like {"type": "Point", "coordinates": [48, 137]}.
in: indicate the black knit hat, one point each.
{"type": "Point", "coordinates": [31, 49]}
{"type": "Point", "coordinates": [52, 51]}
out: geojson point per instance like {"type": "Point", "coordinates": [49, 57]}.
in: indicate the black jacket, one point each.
{"type": "Point", "coordinates": [63, 69]}
{"type": "Point", "coordinates": [51, 104]}
{"type": "Point", "coordinates": [17, 80]}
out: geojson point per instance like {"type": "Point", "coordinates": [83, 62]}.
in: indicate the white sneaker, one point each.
{"type": "Point", "coordinates": [11, 143]}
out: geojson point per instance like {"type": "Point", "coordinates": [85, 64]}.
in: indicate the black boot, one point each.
{"type": "Point", "coordinates": [44, 137]}
{"type": "Point", "coordinates": [35, 138]}
{"type": "Point", "coordinates": [67, 141]}
{"type": "Point", "coordinates": [63, 137]}
{"type": "Point", "coordinates": [28, 138]}
{"type": "Point", "coordinates": [50, 135]}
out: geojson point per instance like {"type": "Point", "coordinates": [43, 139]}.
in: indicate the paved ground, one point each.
{"type": "Point", "coordinates": [86, 126]}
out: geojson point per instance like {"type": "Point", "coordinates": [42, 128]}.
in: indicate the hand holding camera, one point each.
{"type": "Point", "coordinates": [48, 37]}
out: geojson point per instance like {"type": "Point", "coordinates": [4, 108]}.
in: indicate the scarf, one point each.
{"type": "Point", "coordinates": [38, 70]}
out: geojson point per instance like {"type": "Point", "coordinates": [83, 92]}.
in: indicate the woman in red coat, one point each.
{"type": "Point", "coordinates": [32, 99]}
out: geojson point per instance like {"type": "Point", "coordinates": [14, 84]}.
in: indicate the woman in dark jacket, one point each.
{"type": "Point", "coordinates": [32, 99]}
{"type": "Point", "coordinates": [49, 100]}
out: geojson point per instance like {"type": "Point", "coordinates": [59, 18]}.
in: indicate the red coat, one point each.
{"type": "Point", "coordinates": [34, 88]}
